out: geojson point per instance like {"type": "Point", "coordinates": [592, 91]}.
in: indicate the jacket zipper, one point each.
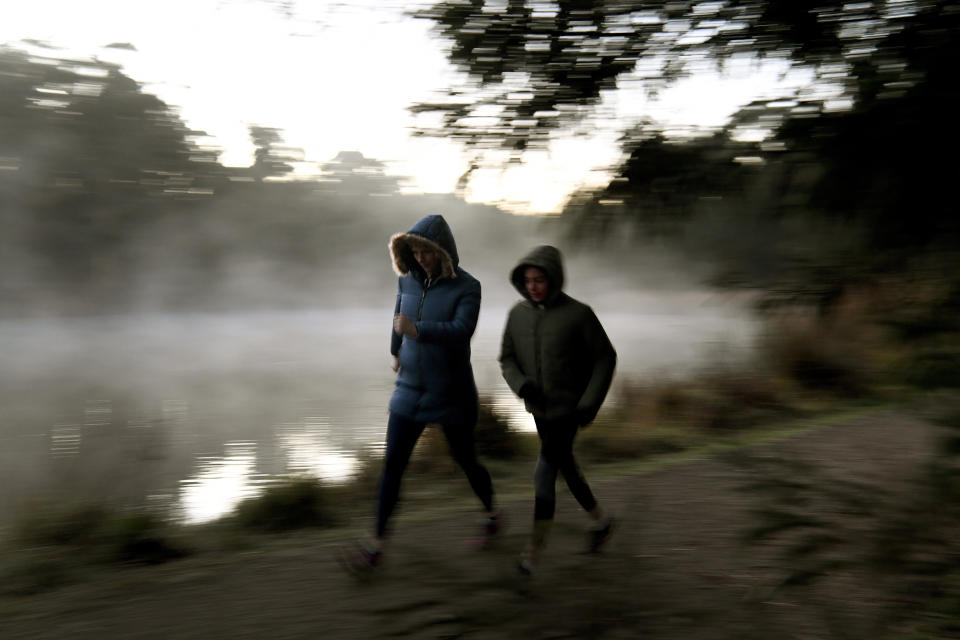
{"type": "Point", "coordinates": [536, 348]}
{"type": "Point", "coordinates": [423, 294]}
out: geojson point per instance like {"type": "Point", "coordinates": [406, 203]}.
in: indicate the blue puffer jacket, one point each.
{"type": "Point", "coordinates": [435, 381]}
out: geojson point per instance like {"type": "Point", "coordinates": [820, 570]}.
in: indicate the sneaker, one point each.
{"type": "Point", "coordinates": [596, 538]}
{"type": "Point", "coordinates": [360, 559]}
{"type": "Point", "coordinates": [525, 564]}
{"type": "Point", "coordinates": [489, 529]}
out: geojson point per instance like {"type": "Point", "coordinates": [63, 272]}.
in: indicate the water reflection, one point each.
{"type": "Point", "coordinates": [204, 409]}
{"type": "Point", "coordinates": [308, 451]}
{"type": "Point", "coordinates": [65, 440]}
{"type": "Point", "coordinates": [511, 408]}
{"type": "Point", "coordinates": [221, 483]}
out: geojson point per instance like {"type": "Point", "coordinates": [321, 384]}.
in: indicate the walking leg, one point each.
{"type": "Point", "coordinates": [402, 436]}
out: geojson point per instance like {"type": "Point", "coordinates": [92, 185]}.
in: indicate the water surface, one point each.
{"type": "Point", "coordinates": [198, 410]}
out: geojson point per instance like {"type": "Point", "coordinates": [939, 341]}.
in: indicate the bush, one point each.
{"type": "Point", "coordinates": [41, 524]}
{"type": "Point", "coordinates": [287, 505]}
{"type": "Point", "coordinates": [818, 357]}
{"type": "Point", "coordinates": [612, 440]}
{"type": "Point", "coordinates": [494, 437]}
{"type": "Point", "coordinates": [431, 454]}
{"type": "Point", "coordinates": [33, 571]}
{"type": "Point", "coordinates": [62, 534]}
{"type": "Point", "coordinates": [366, 481]}
{"type": "Point", "coordinates": [141, 538]}
{"type": "Point", "coordinates": [933, 368]}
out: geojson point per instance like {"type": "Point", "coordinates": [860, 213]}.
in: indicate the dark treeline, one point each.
{"type": "Point", "coordinates": [843, 188]}
{"type": "Point", "coordinates": [111, 204]}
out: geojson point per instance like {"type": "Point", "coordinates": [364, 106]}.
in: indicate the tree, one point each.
{"type": "Point", "coordinates": [841, 188]}
{"type": "Point", "coordinates": [271, 159]}
{"type": "Point", "coordinates": [88, 161]}
{"type": "Point", "coordinates": [537, 66]}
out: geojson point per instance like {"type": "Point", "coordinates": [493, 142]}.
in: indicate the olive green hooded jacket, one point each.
{"type": "Point", "coordinates": [555, 355]}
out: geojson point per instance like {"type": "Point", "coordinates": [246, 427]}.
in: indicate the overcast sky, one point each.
{"type": "Point", "coordinates": [340, 76]}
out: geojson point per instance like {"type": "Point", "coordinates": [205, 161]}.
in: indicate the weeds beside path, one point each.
{"type": "Point", "coordinates": [676, 568]}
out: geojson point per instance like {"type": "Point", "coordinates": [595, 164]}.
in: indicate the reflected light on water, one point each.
{"type": "Point", "coordinates": [307, 450]}
{"type": "Point", "coordinates": [65, 439]}
{"type": "Point", "coordinates": [220, 484]}
{"type": "Point", "coordinates": [206, 408]}
{"type": "Point", "coordinates": [511, 408]}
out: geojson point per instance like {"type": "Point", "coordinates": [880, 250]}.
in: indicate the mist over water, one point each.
{"type": "Point", "coordinates": [196, 410]}
{"type": "Point", "coordinates": [180, 346]}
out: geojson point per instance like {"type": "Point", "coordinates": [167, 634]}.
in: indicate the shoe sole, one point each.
{"type": "Point", "coordinates": [597, 547]}
{"type": "Point", "coordinates": [345, 558]}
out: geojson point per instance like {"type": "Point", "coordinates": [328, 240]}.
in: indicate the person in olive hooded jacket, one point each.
{"type": "Point", "coordinates": [434, 319]}
{"type": "Point", "coordinates": [557, 357]}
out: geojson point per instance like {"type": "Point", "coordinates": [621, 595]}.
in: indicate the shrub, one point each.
{"type": "Point", "coordinates": [494, 437]}
{"type": "Point", "coordinates": [431, 454]}
{"type": "Point", "coordinates": [33, 571]}
{"type": "Point", "coordinates": [817, 356]}
{"type": "Point", "coordinates": [140, 538]}
{"type": "Point", "coordinates": [62, 534]}
{"type": "Point", "coordinates": [366, 480]}
{"type": "Point", "coordinates": [612, 440]}
{"type": "Point", "coordinates": [933, 368]}
{"type": "Point", "coordinates": [645, 422]}
{"type": "Point", "coordinates": [45, 523]}
{"type": "Point", "coordinates": [286, 505]}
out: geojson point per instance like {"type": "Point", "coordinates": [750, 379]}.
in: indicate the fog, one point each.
{"type": "Point", "coordinates": [177, 331]}
{"type": "Point", "coordinates": [275, 372]}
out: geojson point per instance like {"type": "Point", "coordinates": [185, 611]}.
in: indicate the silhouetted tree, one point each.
{"type": "Point", "coordinates": [836, 189]}
{"type": "Point", "coordinates": [534, 66]}
{"type": "Point", "coordinates": [88, 159]}
{"type": "Point", "coordinates": [271, 159]}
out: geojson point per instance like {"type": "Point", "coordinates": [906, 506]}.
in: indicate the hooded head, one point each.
{"type": "Point", "coordinates": [431, 232]}
{"type": "Point", "coordinates": [548, 260]}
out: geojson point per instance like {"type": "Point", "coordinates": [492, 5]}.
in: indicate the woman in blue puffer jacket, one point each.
{"type": "Point", "coordinates": [434, 319]}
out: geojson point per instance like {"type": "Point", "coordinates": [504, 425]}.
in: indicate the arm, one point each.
{"type": "Point", "coordinates": [395, 338]}
{"type": "Point", "coordinates": [512, 373]}
{"type": "Point", "coordinates": [604, 361]}
{"type": "Point", "coordinates": [461, 327]}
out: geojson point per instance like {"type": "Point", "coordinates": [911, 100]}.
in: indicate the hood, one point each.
{"type": "Point", "coordinates": [432, 231]}
{"type": "Point", "coordinates": [550, 261]}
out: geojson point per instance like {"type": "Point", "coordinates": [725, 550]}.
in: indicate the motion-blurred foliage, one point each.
{"type": "Point", "coordinates": [80, 533]}
{"type": "Point", "coordinates": [111, 203]}
{"type": "Point", "coordinates": [847, 183]}
{"type": "Point", "coordinates": [285, 505]}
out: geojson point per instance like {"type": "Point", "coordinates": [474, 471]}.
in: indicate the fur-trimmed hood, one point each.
{"type": "Point", "coordinates": [550, 261]}
{"type": "Point", "coordinates": [432, 231]}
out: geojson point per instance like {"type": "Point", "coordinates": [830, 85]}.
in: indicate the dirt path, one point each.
{"type": "Point", "coordinates": [676, 568]}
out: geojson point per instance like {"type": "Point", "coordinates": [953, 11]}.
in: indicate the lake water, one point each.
{"type": "Point", "coordinates": [198, 410]}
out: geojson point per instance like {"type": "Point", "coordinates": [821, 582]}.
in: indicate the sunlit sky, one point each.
{"type": "Point", "coordinates": [335, 76]}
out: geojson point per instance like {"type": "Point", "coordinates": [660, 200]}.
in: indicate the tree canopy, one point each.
{"type": "Point", "coordinates": [110, 203]}
{"type": "Point", "coordinates": [536, 66]}
{"type": "Point", "coordinates": [867, 156]}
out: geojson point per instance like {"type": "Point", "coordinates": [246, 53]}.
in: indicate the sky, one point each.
{"type": "Point", "coordinates": [339, 76]}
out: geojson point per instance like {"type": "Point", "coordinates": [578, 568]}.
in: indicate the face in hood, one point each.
{"type": "Point", "coordinates": [432, 232]}
{"type": "Point", "coordinates": [548, 260]}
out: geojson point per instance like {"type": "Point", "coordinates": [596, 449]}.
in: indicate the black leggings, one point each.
{"type": "Point", "coordinates": [556, 456]}
{"type": "Point", "coordinates": [402, 436]}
